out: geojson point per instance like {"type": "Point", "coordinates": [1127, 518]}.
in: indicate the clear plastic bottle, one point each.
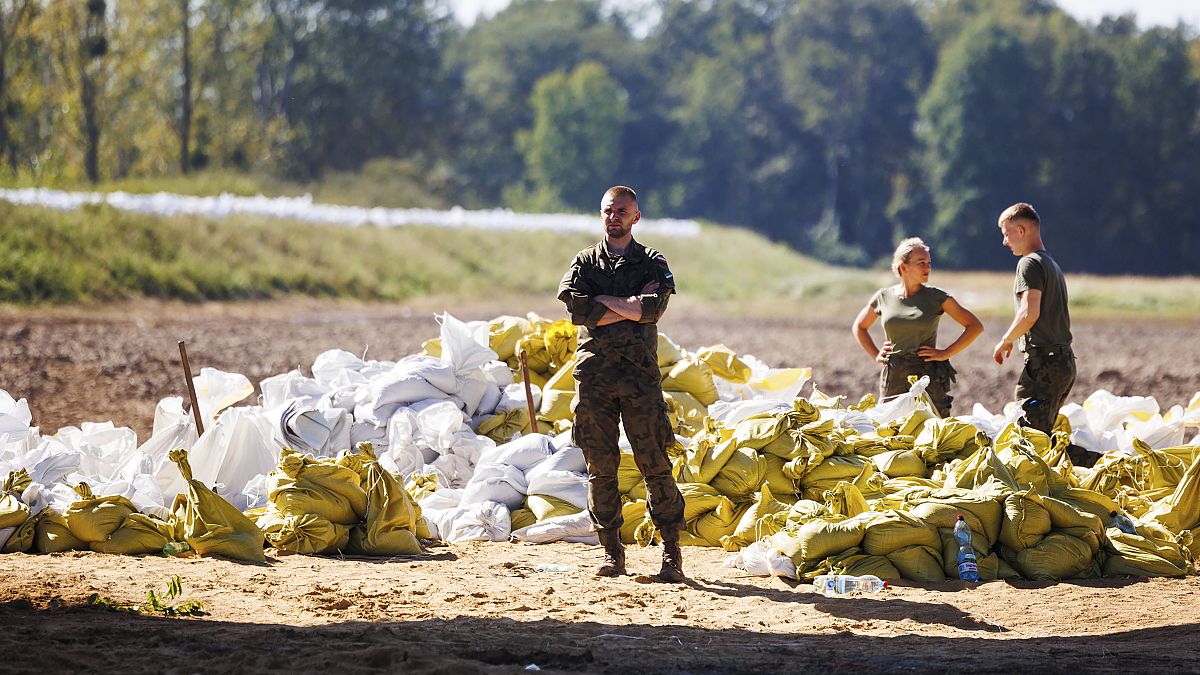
{"type": "Point", "coordinates": [554, 567]}
{"type": "Point", "coordinates": [1122, 522]}
{"type": "Point", "coordinates": [968, 568]}
{"type": "Point", "coordinates": [176, 548]}
{"type": "Point", "coordinates": [834, 585]}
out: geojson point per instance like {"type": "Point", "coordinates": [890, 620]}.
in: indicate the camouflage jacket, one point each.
{"type": "Point", "coordinates": [593, 272]}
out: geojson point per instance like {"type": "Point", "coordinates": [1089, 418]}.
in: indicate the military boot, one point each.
{"type": "Point", "coordinates": [614, 554]}
{"type": "Point", "coordinates": [672, 564]}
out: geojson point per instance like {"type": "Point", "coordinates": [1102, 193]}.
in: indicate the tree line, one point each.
{"type": "Point", "coordinates": [838, 126]}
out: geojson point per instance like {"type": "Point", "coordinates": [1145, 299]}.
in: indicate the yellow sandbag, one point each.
{"type": "Point", "coordinates": [835, 468]}
{"type": "Point", "coordinates": [708, 451]}
{"type": "Point", "coordinates": [1065, 515]}
{"type": "Point", "coordinates": [521, 518]}
{"type": "Point", "coordinates": [13, 511]}
{"type": "Point", "coordinates": [1038, 440]}
{"type": "Point", "coordinates": [984, 513]}
{"type": "Point", "coordinates": [942, 439]}
{"type": "Point", "coordinates": [695, 377]}
{"type": "Point", "coordinates": [138, 534]}
{"type": "Point", "coordinates": [633, 513]}
{"type": "Point", "coordinates": [1025, 521]}
{"type": "Point", "coordinates": [845, 499]}
{"type": "Point", "coordinates": [698, 499]}
{"type": "Point", "coordinates": [725, 363]}
{"type": "Point", "coordinates": [561, 339]}
{"type": "Point", "coordinates": [21, 539]}
{"type": "Point", "coordinates": [546, 506]}
{"type": "Point", "coordinates": [304, 485]}
{"type": "Point", "coordinates": [1180, 511]}
{"type": "Point", "coordinates": [919, 563]}
{"type": "Point", "coordinates": [1056, 556]}
{"type": "Point", "coordinates": [1088, 501]}
{"type": "Point", "coordinates": [899, 463]}
{"type": "Point", "coordinates": [558, 395]}
{"type": "Point", "coordinates": [51, 534]}
{"type": "Point", "coordinates": [211, 525]}
{"type": "Point", "coordinates": [630, 480]}
{"type": "Point", "coordinates": [819, 538]}
{"type": "Point", "coordinates": [504, 332]}
{"type": "Point", "coordinates": [693, 411]}
{"type": "Point", "coordinates": [16, 483]}
{"type": "Point", "coordinates": [894, 530]}
{"type": "Point", "coordinates": [807, 444]}
{"type": "Point", "coordinates": [432, 347]}
{"type": "Point", "coordinates": [1133, 555]}
{"type": "Point", "coordinates": [779, 483]}
{"type": "Point", "coordinates": [389, 527]}
{"type": "Point", "coordinates": [986, 562]}
{"type": "Point", "coordinates": [669, 353]}
{"type": "Point", "coordinates": [909, 425]}
{"type": "Point", "coordinates": [94, 518]}
{"type": "Point", "coordinates": [856, 563]}
{"type": "Point", "coordinates": [742, 476]}
{"type": "Point", "coordinates": [710, 528]}
{"type": "Point", "coordinates": [536, 355]}
{"type": "Point", "coordinates": [504, 426]}
{"type": "Point", "coordinates": [751, 526]}
{"type": "Point", "coordinates": [308, 533]}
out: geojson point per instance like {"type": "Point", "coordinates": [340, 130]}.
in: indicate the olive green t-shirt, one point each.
{"type": "Point", "coordinates": [909, 322]}
{"type": "Point", "coordinates": [1053, 326]}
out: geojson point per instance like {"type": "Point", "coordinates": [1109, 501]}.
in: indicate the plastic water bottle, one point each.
{"type": "Point", "coordinates": [175, 548]}
{"type": "Point", "coordinates": [834, 585]}
{"type": "Point", "coordinates": [1121, 522]}
{"type": "Point", "coordinates": [968, 568]}
{"type": "Point", "coordinates": [553, 567]}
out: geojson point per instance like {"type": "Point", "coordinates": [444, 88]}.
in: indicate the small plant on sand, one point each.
{"type": "Point", "coordinates": [155, 603]}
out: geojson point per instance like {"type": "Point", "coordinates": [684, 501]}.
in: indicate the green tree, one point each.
{"type": "Point", "coordinates": [573, 148]}
{"type": "Point", "coordinates": [853, 72]}
{"type": "Point", "coordinates": [980, 125]}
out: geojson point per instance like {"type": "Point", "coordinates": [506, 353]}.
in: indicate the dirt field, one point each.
{"type": "Point", "coordinates": [482, 607]}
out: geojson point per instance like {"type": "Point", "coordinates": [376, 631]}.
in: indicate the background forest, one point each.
{"type": "Point", "coordinates": [836, 126]}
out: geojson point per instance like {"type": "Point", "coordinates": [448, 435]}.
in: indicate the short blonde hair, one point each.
{"type": "Point", "coordinates": [1021, 211]}
{"type": "Point", "coordinates": [904, 250]}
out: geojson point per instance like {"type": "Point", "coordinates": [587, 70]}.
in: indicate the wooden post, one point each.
{"type": "Point", "coordinates": [191, 387]}
{"type": "Point", "coordinates": [533, 427]}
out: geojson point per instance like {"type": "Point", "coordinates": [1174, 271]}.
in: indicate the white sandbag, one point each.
{"type": "Point", "coordinates": [256, 492]}
{"type": "Point", "coordinates": [330, 365]}
{"type": "Point", "coordinates": [1160, 431]}
{"type": "Point", "coordinates": [15, 417]}
{"type": "Point", "coordinates": [233, 451]}
{"type": "Point", "coordinates": [524, 453]}
{"type": "Point", "coordinates": [760, 559]}
{"type": "Point", "coordinates": [849, 419]}
{"type": "Point", "coordinates": [512, 397]}
{"type": "Point", "coordinates": [575, 528]}
{"type": "Point", "coordinates": [565, 458]}
{"type": "Point", "coordinates": [496, 483]}
{"type": "Point", "coordinates": [103, 448]}
{"type": "Point", "coordinates": [464, 346]}
{"type": "Point", "coordinates": [901, 405]}
{"type": "Point", "coordinates": [729, 413]}
{"type": "Point", "coordinates": [777, 384]}
{"type": "Point", "coordinates": [216, 390]}
{"type": "Point", "coordinates": [291, 386]}
{"type": "Point", "coordinates": [1106, 411]}
{"type": "Point", "coordinates": [179, 434]}
{"type": "Point", "coordinates": [485, 521]}
{"type": "Point", "coordinates": [50, 462]}
{"type": "Point", "coordinates": [569, 486]}
{"type": "Point", "coordinates": [322, 433]}
{"type": "Point", "coordinates": [341, 397]}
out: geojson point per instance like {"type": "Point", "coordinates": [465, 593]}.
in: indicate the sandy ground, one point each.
{"type": "Point", "coordinates": [483, 607]}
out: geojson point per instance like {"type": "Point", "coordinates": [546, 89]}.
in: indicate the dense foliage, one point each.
{"type": "Point", "coordinates": [837, 126]}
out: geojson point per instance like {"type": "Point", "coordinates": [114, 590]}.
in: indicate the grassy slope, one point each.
{"type": "Point", "coordinates": [101, 254]}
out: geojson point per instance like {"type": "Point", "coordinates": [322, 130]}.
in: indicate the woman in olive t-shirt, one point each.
{"type": "Point", "coordinates": [910, 312]}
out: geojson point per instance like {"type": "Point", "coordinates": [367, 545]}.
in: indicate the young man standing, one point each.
{"type": "Point", "coordinates": [1042, 322]}
{"type": "Point", "coordinates": [618, 289]}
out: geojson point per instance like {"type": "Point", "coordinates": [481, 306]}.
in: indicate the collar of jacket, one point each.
{"type": "Point", "coordinates": [633, 253]}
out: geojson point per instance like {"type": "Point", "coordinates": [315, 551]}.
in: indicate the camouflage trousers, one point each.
{"type": "Point", "coordinates": [893, 379]}
{"type": "Point", "coordinates": [1044, 385]}
{"type": "Point", "coordinates": [608, 390]}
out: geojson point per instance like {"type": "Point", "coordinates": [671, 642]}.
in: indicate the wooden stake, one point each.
{"type": "Point", "coordinates": [528, 392]}
{"type": "Point", "coordinates": [191, 387]}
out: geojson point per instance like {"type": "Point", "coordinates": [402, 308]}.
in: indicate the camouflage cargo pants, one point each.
{"type": "Point", "coordinates": [609, 389]}
{"type": "Point", "coordinates": [893, 379]}
{"type": "Point", "coordinates": [1044, 385]}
